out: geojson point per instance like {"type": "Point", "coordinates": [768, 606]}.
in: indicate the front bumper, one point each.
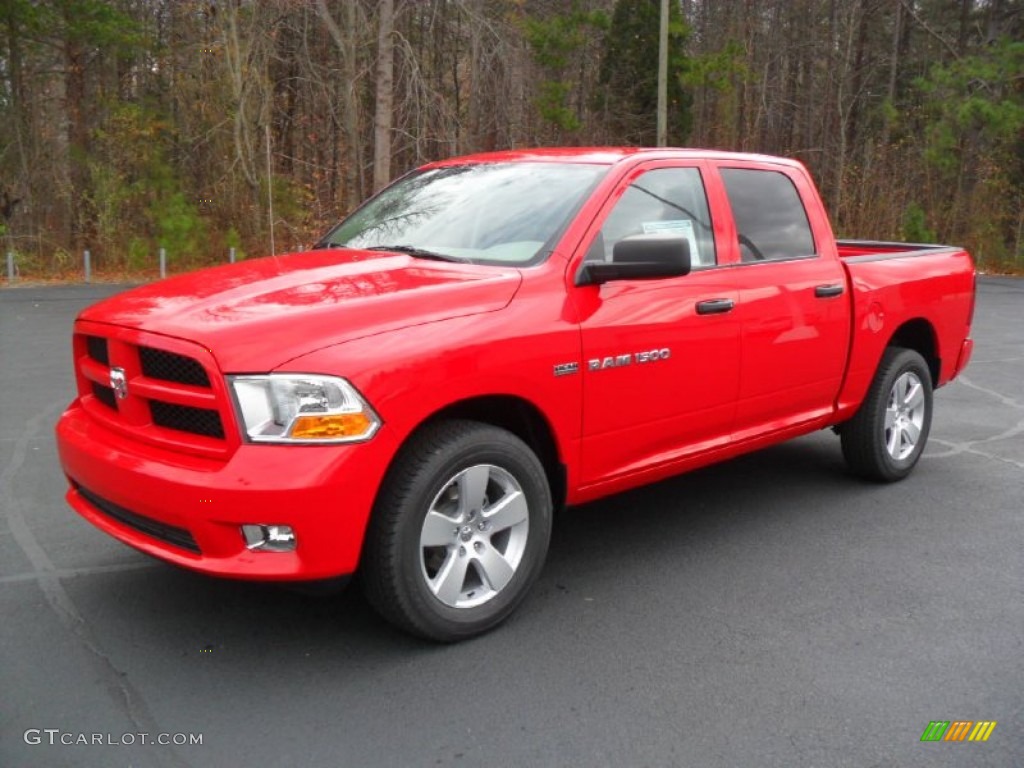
{"type": "Point", "coordinates": [156, 500]}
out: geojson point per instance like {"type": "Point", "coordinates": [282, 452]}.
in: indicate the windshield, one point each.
{"type": "Point", "coordinates": [500, 213]}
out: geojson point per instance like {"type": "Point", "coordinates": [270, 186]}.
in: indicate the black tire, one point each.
{"type": "Point", "coordinates": [414, 581]}
{"type": "Point", "coordinates": [888, 452]}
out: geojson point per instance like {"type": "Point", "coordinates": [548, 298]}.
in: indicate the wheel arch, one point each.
{"type": "Point", "coordinates": [516, 415]}
{"type": "Point", "coordinates": [919, 335]}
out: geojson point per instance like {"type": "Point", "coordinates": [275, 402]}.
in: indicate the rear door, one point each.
{"type": "Point", "coordinates": [660, 357]}
{"type": "Point", "coordinates": [794, 308]}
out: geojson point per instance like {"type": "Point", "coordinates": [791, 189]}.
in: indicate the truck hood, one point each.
{"type": "Point", "coordinates": [256, 315]}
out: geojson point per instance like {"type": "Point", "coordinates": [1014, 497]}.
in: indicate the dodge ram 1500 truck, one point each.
{"type": "Point", "coordinates": [484, 341]}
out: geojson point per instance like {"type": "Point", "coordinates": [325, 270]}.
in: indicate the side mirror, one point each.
{"type": "Point", "coordinates": [640, 257]}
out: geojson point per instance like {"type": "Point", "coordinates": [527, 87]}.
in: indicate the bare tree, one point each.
{"type": "Point", "coordinates": [385, 94]}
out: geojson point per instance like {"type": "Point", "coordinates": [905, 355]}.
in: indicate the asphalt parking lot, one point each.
{"type": "Point", "coordinates": [770, 611]}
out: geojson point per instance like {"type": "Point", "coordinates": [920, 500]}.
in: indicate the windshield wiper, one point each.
{"type": "Point", "coordinates": [420, 253]}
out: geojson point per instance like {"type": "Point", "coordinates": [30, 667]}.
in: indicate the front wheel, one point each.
{"type": "Point", "coordinates": [459, 532]}
{"type": "Point", "coordinates": [886, 437]}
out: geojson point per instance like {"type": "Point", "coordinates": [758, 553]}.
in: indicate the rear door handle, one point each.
{"type": "Point", "coordinates": [715, 306]}
{"type": "Point", "coordinates": [829, 291]}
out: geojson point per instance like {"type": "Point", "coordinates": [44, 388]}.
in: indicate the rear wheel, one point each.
{"type": "Point", "coordinates": [886, 437]}
{"type": "Point", "coordinates": [459, 533]}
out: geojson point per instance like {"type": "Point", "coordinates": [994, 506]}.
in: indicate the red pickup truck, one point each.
{"type": "Point", "coordinates": [486, 340]}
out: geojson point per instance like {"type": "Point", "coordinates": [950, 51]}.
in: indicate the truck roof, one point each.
{"type": "Point", "coordinates": [607, 155]}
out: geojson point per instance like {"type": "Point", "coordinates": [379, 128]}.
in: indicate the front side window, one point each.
{"type": "Point", "coordinates": [662, 201]}
{"type": "Point", "coordinates": [485, 213]}
{"type": "Point", "coordinates": [770, 218]}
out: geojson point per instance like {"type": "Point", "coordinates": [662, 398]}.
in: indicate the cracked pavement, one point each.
{"type": "Point", "coordinates": [769, 611]}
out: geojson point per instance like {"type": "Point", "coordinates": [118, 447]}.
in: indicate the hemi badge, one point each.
{"type": "Point", "coordinates": [566, 369]}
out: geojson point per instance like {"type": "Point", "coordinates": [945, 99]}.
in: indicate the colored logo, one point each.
{"type": "Point", "coordinates": [958, 730]}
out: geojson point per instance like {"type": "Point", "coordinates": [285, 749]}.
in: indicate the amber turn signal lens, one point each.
{"type": "Point", "coordinates": [330, 426]}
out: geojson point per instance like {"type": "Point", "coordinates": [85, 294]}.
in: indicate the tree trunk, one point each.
{"type": "Point", "coordinates": [966, 6]}
{"type": "Point", "coordinates": [894, 69]}
{"type": "Point", "coordinates": [385, 95]}
{"type": "Point", "coordinates": [347, 93]}
{"type": "Point", "coordinates": [23, 133]}
{"type": "Point", "coordinates": [78, 141]}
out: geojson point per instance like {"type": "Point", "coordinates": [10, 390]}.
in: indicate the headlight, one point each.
{"type": "Point", "coordinates": [300, 408]}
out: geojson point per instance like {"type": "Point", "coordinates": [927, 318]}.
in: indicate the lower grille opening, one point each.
{"type": "Point", "coordinates": [185, 418]}
{"type": "Point", "coordinates": [171, 534]}
{"type": "Point", "coordinates": [104, 394]}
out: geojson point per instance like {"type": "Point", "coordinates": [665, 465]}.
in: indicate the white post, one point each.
{"type": "Point", "coordinates": [10, 266]}
{"type": "Point", "coordinates": [163, 263]}
{"type": "Point", "coordinates": [87, 257]}
{"type": "Point", "coordinates": [231, 255]}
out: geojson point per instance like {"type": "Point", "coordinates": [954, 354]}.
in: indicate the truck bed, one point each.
{"type": "Point", "coordinates": [875, 249]}
{"type": "Point", "coordinates": [893, 287]}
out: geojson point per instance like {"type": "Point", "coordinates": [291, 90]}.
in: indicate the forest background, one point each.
{"type": "Point", "coordinates": [127, 126]}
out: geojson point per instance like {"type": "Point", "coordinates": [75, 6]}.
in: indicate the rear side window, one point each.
{"type": "Point", "coordinates": [770, 218]}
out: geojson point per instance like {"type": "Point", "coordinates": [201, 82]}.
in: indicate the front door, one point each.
{"type": "Point", "coordinates": [660, 357]}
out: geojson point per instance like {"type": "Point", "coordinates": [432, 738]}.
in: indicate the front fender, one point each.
{"type": "Point", "coordinates": [412, 374]}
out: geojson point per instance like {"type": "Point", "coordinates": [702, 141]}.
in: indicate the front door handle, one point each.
{"type": "Point", "coordinates": [829, 291]}
{"type": "Point", "coordinates": [715, 306]}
